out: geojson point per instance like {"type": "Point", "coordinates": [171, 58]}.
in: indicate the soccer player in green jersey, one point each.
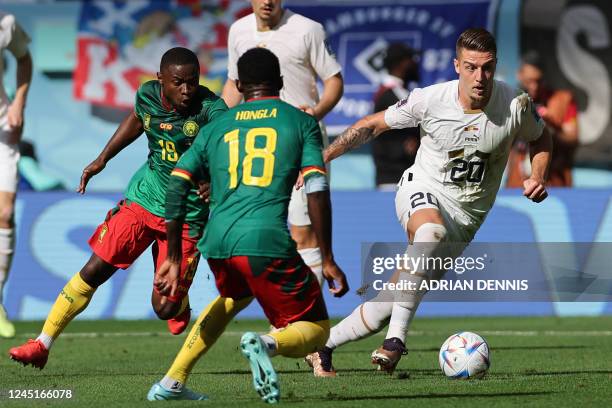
{"type": "Point", "coordinates": [170, 111]}
{"type": "Point", "coordinates": [253, 154]}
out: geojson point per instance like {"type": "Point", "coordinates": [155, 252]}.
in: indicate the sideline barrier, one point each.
{"type": "Point", "coordinates": [53, 228]}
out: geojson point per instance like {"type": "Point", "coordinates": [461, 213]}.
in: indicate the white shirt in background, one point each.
{"type": "Point", "coordinates": [298, 42]}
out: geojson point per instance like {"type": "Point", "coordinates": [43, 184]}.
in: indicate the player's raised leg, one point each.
{"type": "Point", "coordinates": [425, 228]}
{"type": "Point", "coordinates": [116, 243]}
{"type": "Point", "coordinates": [210, 325]}
{"type": "Point", "coordinates": [71, 301]}
{"type": "Point", "coordinates": [295, 340]}
{"type": "Point", "coordinates": [291, 298]}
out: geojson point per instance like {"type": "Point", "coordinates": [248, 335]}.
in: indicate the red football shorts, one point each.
{"type": "Point", "coordinates": [129, 229]}
{"type": "Point", "coordinates": [286, 288]}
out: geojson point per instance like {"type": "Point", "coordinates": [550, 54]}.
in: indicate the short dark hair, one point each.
{"type": "Point", "coordinates": [257, 66]}
{"type": "Point", "coordinates": [476, 39]}
{"type": "Point", "coordinates": [396, 53]}
{"type": "Point", "coordinates": [532, 57]}
{"type": "Point", "coordinates": [179, 56]}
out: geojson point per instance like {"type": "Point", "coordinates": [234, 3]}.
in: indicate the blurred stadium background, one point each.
{"type": "Point", "coordinates": [90, 56]}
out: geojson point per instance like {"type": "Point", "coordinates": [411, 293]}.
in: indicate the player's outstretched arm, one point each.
{"type": "Point", "coordinates": [541, 152]}
{"type": "Point", "coordinates": [361, 132]}
{"type": "Point", "coordinates": [319, 210]}
{"type": "Point", "coordinates": [128, 131]}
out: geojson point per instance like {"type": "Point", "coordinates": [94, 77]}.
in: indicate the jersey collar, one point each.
{"type": "Point", "coordinates": [262, 98]}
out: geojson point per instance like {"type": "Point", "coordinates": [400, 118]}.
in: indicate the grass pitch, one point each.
{"type": "Point", "coordinates": [536, 362]}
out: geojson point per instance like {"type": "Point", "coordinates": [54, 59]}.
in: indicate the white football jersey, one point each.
{"type": "Point", "coordinates": [298, 42]}
{"type": "Point", "coordinates": [463, 154]}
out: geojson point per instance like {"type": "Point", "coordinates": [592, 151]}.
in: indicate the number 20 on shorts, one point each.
{"type": "Point", "coordinates": [266, 153]}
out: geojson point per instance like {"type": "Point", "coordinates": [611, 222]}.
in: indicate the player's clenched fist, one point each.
{"type": "Point", "coordinates": [204, 191]}
{"type": "Point", "coordinates": [336, 280]}
{"type": "Point", "coordinates": [534, 190]}
{"type": "Point", "coordinates": [166, 278]}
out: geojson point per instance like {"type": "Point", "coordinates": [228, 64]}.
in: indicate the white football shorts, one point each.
{"type": "Point", "coordinates": [9, 157]}
{"type": "Point", "coordinates": [413, 195]}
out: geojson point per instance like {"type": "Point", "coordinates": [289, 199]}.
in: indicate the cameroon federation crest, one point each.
{"type": "Point", "coordinates": [190, 128]}
{"type": "Point", "coordinates": [147, 121]}
{"type": "Point", "coordinates": [103, 232]}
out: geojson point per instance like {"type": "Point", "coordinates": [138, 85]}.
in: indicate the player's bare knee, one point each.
{"type": "Point", "coordinates": [96, 271]}
{"type": "Point", "coordinates": [423, 217]}
{"type": "Point", "coordinates": [6, 216]}
{"type": "Point", "coordinates": [89, 274]}
{"type": "Point", "coordinates": [166, 311]}
{"type": "Point", "coordinates": [304, 236]}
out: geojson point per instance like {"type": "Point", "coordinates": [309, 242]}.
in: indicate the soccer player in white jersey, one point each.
{"type": "Point", "coordinates": [467, 128]}
{"type": "Point", "coordinates": [13, 38]}
{"type": "Point", "coordinates": [299, 43]}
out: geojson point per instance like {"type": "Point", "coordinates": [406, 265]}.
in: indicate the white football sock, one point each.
{"type": "Point", "coordinates": [270, 342]}
{"type": "Point", "coordinates": [46, 340]}
{"type": "Point", "coordinates": [171, 384]}
{"type": "Point", "coordinates": [7, 246]}
{"type": "Point", "coordinates": [426, 243]}
{"type": "Point", "coordinates": [368, 318]}
{"type": "Point", "coordinates": [402, 314]}
{"type": "Point", "coordinates": [312, 258]}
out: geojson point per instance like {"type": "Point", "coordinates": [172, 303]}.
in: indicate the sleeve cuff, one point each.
{"type": "Point", "coordinates": [184, 174]}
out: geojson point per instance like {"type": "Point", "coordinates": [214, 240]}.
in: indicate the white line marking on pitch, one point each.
{"type": "Point", "coordinates": [523, 333]}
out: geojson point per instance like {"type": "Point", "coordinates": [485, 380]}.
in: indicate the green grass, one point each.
{"type": "Point", "coordinates": [536, 362]}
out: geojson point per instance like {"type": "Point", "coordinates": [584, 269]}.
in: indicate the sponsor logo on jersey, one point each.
{"type": "Point", "coordinates": [470, 135]}
{"type": "Point", "coordinates": [147, 121]}
{"type": "Point", "coordinates": [165, 126]}
{"type": "Point", "coordinates": [190, 128]}
{"type": "Point", "coordinates": [102, 233]}
{"type": "Point", "coordinates": [402, 102]}
{"type": "Point", "coordinates": [256, 114]}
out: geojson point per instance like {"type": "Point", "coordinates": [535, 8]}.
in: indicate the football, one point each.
{"type": "Point", "coordinates": [464, 355]}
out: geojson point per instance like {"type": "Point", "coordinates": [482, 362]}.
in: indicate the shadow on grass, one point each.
{"type": "Point", "coordinates": [540, 348]}
{"type": "Point", "coordinates": [399, 374]}
{"type": "Point", "coordinates": [435, 349]}
{"type": "Point", "coordinates": [336, 397]}
{"type": "Point", "coordinates": [541, 373]}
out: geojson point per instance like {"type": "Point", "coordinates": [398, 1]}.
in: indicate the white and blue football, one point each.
{"type": "Point", "coordinates": [464, 355]}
